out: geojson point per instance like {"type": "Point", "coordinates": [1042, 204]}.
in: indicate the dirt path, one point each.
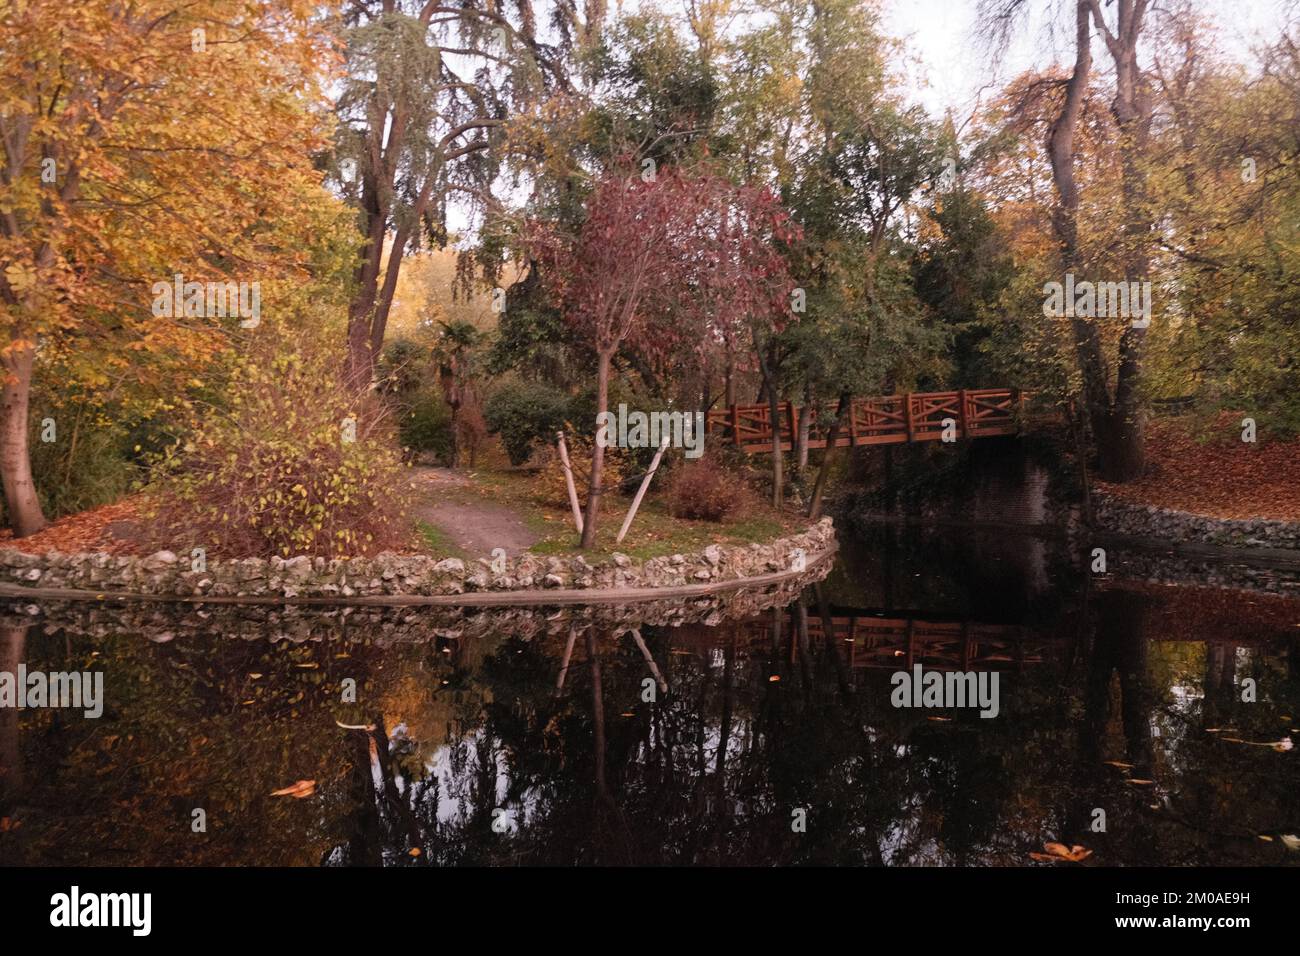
{"type": "Point", "coordinates": [446, 501]}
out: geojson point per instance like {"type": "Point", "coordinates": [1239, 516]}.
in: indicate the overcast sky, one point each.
{"type": "Point", "coordinates": [947, 67]}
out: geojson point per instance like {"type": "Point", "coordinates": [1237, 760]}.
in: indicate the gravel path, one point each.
{"type": "Point", "coordinates": [476, 527]}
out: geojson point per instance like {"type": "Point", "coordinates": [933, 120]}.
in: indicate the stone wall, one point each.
{"type": "Point", "coordinates": [1123, 517]}
{"type": "Point", "coordinates": [162, 622]}
{"type": "Point", "coordinates": [388, 573]}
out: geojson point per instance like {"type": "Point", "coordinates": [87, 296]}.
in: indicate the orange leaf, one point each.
{"type": "Point", "coordinates": [301, 789]}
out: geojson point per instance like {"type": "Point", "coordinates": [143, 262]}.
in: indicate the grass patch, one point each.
{"type": "Point", "coordinates": [436, 542]}
{"type": "Point", "coordinates": [653, 534]}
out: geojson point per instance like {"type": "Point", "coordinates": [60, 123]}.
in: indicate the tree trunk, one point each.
{"type": "Point", "coordinates": [25, 515]}
{"type": "Point", "coordinates": [803, 429]}
{"type": "Point", "coordinates": [767, 365]}
{"type": "Point", "coordinates": [360, 361]}
{"type": "Point", "coordinates": [844, 408]}
{"type": "Point", "coordinates": [1116, 423]}
{"type": "Point", "coordinates": [597, 454]}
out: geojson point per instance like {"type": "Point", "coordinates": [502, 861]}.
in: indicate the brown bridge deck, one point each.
{"type": "Point", "coordinates": [882, 420]}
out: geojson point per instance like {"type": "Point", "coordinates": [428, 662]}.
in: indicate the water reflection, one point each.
{"type": "Point", "coordinates": [575, 737]}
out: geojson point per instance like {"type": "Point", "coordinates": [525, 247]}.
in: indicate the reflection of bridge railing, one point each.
{"type": "Point", "coordinates": [880, 420]}
{"type": "Point", "coordinates": [900, 643]}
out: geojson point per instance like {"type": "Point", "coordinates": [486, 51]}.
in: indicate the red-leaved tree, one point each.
{"type": "Point", "coordinates": [662, 265]}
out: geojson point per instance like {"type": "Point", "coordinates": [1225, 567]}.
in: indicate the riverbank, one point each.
{"type": "Point", "coordinates": [405, 578]}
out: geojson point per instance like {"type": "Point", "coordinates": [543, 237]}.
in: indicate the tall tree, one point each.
{"type": "Point", "coordinates": [1115, 415]}
{"type": "Point", "coordinates": [429, 92]}
{"type": "Point", "coordinates": [139, 141]}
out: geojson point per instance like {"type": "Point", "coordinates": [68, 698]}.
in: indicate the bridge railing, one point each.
{"type": "Point", "coordinates": [878, 420]}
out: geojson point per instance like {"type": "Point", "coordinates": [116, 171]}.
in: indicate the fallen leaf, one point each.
{"type": "Point", "coordinates": [1056, 852]}
{"type": "Point", "coordinates": [1118, 763]}
{"type": "Point", "coordinates": [1140, 783]}
{"type": "Point", "coordinates": [414, 851]}
{"type": "Point", "coordinates": [9, 823]}
{"type": "Point", "coordinates": [301, 789]}
{"type": "Point", "coordinates": [1291, 840]}
{"type": "Point", "coordinates": [366, 727]}
{"type": "Point", "coordinates": [1282, 745]}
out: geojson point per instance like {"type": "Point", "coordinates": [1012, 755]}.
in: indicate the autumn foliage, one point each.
{"type": "Point", "coordinates": [285, 466]}
{"type": "Point", "coordinates": [664, 264]}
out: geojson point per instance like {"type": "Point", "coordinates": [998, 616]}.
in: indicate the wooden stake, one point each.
{"type": "Point", "coordinates": [640, 492]}
{"type": "Point", "coordinates": [568, 480]}
{"type": "Point", "coordinates": [564, 666]}
{"type": "Point", "coordinates": [650, 661]}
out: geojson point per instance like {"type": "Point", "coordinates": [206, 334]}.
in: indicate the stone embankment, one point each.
{"type": "Point", "coordinates": [341, 579]}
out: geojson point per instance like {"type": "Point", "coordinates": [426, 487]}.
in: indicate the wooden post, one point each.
{"type": "Point", "coordinates": [735, 425]}
{"type": "Point", "coordinates": [907, 399]}
{"type": "Point", "coordinates": [568, 480]}
{"type": "Point", "coordinates": [640, 492]}
{"type": "Point", "coordinates": [962, 419]}
{"type": "Point", "coordinates": [564, 666]}
{"type": "Point", "coordinates": [650, 661]}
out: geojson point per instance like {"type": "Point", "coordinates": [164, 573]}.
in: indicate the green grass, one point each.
{"type": "Point", "coordinates": [654, 532]}
{"type": "Point", "coordinates": [435, 540]}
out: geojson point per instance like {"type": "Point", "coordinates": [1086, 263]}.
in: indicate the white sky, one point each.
{"type": "Point", "coordinates": [947, 66]}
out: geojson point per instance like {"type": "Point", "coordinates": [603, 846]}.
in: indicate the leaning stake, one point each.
{"type": "Point", "coordinates": [568, 480]}
{"type": "Point", "coordinates": [640, 492]}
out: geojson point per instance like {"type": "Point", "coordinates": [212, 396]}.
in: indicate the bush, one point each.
{"type": "Point", "coordinates": [273, 472]}
{"type": "Point", "coordinates": [551, 486]}
{"type": "Point", "coordinates": [525, 414]}
{"type": "Point", "coordinates": [97, 469]}
{"type": "Point", "coordinates": [704, 491]}
{"type": "Point", "coordinates": [426, 426]}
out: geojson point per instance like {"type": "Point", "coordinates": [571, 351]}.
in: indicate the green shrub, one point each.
{"type": "Point", "coordinates": [96, 469]}
{"type": "Point", "coordinates": [524, 414]}
{"type": "Point", "coordinates": [426, 426]}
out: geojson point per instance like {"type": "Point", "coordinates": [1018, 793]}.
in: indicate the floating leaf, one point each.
{"type": "Point", "coordinates": [301, 789]}
{"type": "Point", "coordinates": [1057, 852]}
{"type": "Point", "coordinates": [369, 728]}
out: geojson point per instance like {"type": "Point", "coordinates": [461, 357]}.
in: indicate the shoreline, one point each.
{"type": "Point", "coordinates": [526, 580]}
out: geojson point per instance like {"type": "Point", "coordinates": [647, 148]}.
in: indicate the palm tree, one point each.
{"type": "Point", "coordinates": [453, 353]}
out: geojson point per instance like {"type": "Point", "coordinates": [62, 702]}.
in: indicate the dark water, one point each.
{"type": "Point", "coordinates": [488, 750]}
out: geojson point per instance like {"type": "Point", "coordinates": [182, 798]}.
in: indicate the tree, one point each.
{"type": "Point", "coordinates": [430, 89]}
{"type": "Point", "coordinates": [652, 261]}
{"type": "Point", "coordinates": [140, 141]}
{"type": "Point", "coordinates": [1115, 418]}
{"type": "Point", "coordinates": [453, 351]}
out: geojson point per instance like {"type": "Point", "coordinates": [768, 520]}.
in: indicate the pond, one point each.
{"type": "Point", "coordinates": [1147, 724]}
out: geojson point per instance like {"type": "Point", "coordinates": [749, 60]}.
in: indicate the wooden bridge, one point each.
{"type": "Point", "coordinates": [891, 643]}
{"type": "Point", "coordinates": [882, 420]}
